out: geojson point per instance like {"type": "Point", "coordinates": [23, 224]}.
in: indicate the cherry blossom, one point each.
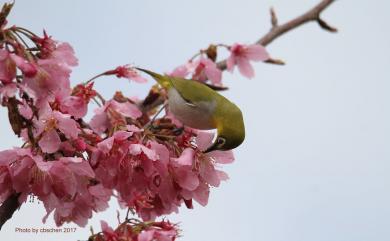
{"type": "Point", "coordinates": [128, 72]}
{"type": "Point", "coordinates": [152, 165]}
{"type": "Point", "coordinates": [241, 55]}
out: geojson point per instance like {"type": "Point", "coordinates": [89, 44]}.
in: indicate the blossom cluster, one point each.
{"type": "Point", "coordinates": [134, 230]}
{"type": "Point", "coordinates": [74, 166]}
{"type": "Point", "coordinates": [205, 67]}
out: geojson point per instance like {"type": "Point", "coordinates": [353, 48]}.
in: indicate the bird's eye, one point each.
{"type": "Point", "coordinates": [221, 141]}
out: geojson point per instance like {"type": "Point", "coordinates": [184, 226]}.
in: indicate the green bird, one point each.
{"type": "Point", "coordinates": [198, 106]}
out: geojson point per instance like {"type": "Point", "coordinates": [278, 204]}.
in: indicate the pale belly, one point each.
{"type": "Point", "coordinates": [198, 117]}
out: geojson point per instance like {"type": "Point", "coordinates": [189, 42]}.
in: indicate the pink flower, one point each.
{"type": "Point", "coordinates": [240, 55]}
{"type": "Point", "coordinates": [52, 79]}
{"type": "Point", "coordinates": [27, 68]}
{"type": "Point", "coordinates": [64, 53]}
{"type": "Point", "coordinates": [51, 49]}
{"type": "Point", "coordinates": [202, 70]}
{"type": "Point", "coordinates": [154, 234]}
{"type": "Point", "coordinates": [126, 71]}
{"type": "Point", "coordinates": [77, 103]}
{"type": "Point", "coordinates": [181, 71]}
{"type": "Point", "coordinates": [8, 91]}
{"type": "Point", "coordinates": [108, 232]}
{"type": "Point", "coordinates": [206, 69]}
{"type": "Point", "coordinates": [113, 113]}
{"type": "Point", "coordinates": [48, 125]}
{"type": "Point", "coordinates": [8, 64]}
{"type": "Point", "coordinates": [25, 110]}
{"type": "Point", "coordinates": [52, 70]}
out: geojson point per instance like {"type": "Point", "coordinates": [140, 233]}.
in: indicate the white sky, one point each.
{"type": "Point", "coordinates": [315, 165]}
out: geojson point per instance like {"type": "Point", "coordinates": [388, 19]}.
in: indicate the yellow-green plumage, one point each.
{"type": "Point", "coordinates": [198, 106]}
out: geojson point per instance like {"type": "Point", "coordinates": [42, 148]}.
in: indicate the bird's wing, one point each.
{"type": "Point", "coordinates": [192, 91]}
{"type": "Point", "coordinates": [182, 95]}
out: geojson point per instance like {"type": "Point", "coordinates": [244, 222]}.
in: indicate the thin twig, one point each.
{"type": "Point", "coordinates": [274, 19]}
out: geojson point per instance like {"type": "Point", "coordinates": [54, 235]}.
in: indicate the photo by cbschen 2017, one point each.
{"type": "Point", "coordinates": [120, 120]}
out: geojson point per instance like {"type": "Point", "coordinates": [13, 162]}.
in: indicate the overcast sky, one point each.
{"type": "Point", "coordinates": [315, 165]}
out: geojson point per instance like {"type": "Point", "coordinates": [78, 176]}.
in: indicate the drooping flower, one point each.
{"type": "Point", "coordinates": [204, 69]}
{"type": "Point", "coordinates": [77, 103]}
{"type": "Point", "coordinates": [241, 55]}
{"type": "Point", "coordinates": [8, 64]}
{"type": "Point", "coordinates": [128, 72]}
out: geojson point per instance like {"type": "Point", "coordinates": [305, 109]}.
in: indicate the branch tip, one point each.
{"type": "Point", "coordinates": [274, 19]}
{"type": "Point", "coordinates": [324, 25]}
{"type": "Point", "coordinates": [275, 61]}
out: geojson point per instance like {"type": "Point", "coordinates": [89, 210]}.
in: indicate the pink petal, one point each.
{"type": "Point", "coordinates": [201, 194]}
{"type": "Point", "coordinates": [27, 68]}
{"type": "Point", "coordinates": [82, 169]}
{"type": "Point", "coordinates": [122, 135]}
{"type": "Point", "coordinates": [8, 90]}
{"type": "Point", "coordinates": [209, 174]}
{"type": "Point", "coordinates": [146, 236]}
{"type": "Point", "coordinates": [106, 145]}
{"type": "Point", "coordinates": [187, 179]}
{"type": "Point", "coordinates": [138, 79]}
{"type": "Point", "coordinates": [161, 151]}
{"type": "Point", "coordinates": [67, 160]}
{"type": "Point", "coordinates": [245, 68]}
{"type": "Point", "coordinates": [133, 128]}
{"type": "Point", "coordinates": [204, 139]}
{"type": "Point", "coordinates": [223, 157]}
{"type": "Point", "coordinates": [230, 63]}
{"type": "Point", "coordinates": [136, 149]}
{"type": "Point", "coordinates": [50, 141]}
{"type": "Point", "coordinates": [67, 125]}
{"type": "Point", "coordinates": [126, 109]}
{"type": "Point", "coordinates": [256, 52]}
{"type": "Point", "coordinates": [7, 67]}
{"type": "Point", "coordinates": [214, 74]}
{"type": "Point", "coordinates": [105, 227]}
{"type": "Point", "coordinates": [223, 176]}
{"type": "Point", "coordinates": [99, 123]}
{"type": "Point", "coordinates": [7, 156]}
{"type": "Point", "coordinates": [43, 165]}
{"type": "Point", "coordinates": [25, 110]}
{"type": "Point", "coordinates": [65, 52]}
{"type": "Point", "coordinates": [182, 71]}
{"type": "Point", "coordinates": [74, 106]}
{"type": "Point", "coordinates": [186, 158]}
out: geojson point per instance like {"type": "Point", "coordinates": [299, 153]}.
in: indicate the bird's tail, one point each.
{"type": "Point", "coordinates": [161, 79]}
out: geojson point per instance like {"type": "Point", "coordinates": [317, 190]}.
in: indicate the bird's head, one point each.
{"type": "Point", "coordinates": [230, 131]}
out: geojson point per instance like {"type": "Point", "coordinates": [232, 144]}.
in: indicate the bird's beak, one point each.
{"type": "Point", "coordinates": [211, 148]}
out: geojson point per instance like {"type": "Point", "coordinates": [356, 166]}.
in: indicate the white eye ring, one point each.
{"type": "Point", "coordinates": [221, 141]}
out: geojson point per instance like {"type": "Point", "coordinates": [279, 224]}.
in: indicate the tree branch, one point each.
{"type": "Point", "coordinates": [8, 207]}
{"type": "Point", "coordinates": [278, 30]}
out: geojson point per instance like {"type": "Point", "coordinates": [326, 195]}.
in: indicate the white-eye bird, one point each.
{"type": "Point", "coordinates": [198, 106]}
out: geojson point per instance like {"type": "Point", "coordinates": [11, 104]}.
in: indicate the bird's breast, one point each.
{"type": "Point", "coordinates": [198, 115]}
